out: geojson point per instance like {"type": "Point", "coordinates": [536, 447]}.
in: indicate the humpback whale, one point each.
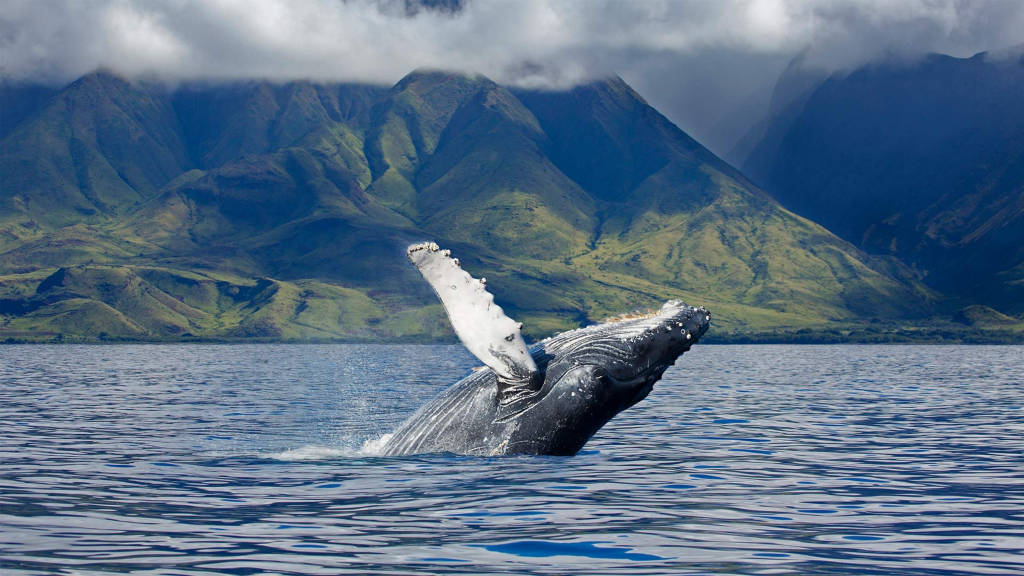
{"type": "Point", "coordinates": [547, 399]}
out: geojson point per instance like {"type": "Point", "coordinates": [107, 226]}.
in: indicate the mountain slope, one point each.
{"type": "Point", "coordinates": [282, 211]}
{"type": "Point", "coordinates": [226, 123]}
{"type": "Point", "coordinates": [684, 219]}
{"type": "Point", "coordinates": [923, 161]}
{"type": "Point", "coordinates": [99, 147]}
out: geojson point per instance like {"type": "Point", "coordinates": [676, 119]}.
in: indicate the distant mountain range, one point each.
{"type": "Point", "coordinates": [922, 161]}
{"type": "Point", "coordinates": [281, 211]}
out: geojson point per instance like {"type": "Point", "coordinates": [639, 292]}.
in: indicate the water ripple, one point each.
{"type": "Point", "coordinates": [745, 460]}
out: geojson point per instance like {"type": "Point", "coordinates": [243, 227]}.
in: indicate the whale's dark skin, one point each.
{"type": "Point", "coordinates": [583, 378]}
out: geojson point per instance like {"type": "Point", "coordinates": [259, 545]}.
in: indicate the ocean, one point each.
{"type": "Point", "coordinates": [250, 459]}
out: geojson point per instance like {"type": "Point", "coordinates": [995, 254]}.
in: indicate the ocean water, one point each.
{"type": "Point", "coordinates": [251, 459]}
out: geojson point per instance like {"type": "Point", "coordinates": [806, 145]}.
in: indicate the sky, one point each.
{"type": "Point", "coordinates": [709, 66]}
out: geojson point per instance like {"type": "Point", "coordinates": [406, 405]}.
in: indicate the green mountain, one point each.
{"type": "Point", "coordinates": [255, 210]}
{"type": "Point", "coordinates": [922, 161]}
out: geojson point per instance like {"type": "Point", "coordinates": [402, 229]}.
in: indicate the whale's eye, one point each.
{"type": "Point", "coordinates": [602, 378]}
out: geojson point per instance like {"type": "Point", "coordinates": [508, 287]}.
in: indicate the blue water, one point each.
{"type": "Point", "coordinates": [206, 459]}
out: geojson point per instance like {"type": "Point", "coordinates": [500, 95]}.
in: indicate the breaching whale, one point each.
{"type": "Point", "coordinates": [548, 399]}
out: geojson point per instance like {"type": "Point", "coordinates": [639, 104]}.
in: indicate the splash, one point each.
{"type": "Point", "coordinates": [375, 447]}
{"type": "Point", "coordinates": [313, 452]}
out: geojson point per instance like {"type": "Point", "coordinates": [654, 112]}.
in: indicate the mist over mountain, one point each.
{"type": "Point", "coordinates": [920, 160]}
{"type": "Point", "coordinates": [708, 66]}
{"type": "Point", "coordinates": [261, 210]}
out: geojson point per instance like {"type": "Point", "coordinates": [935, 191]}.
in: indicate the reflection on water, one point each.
{"type": "Point", "coordinates": [201, 459]}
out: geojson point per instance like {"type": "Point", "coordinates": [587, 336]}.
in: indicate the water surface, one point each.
{"type": "Point", "coordinates": [206, 459]}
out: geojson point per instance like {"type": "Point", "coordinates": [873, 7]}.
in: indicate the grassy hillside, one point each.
{"type": "Point", "coordinates": [97, 148]}
{"type": "Point", "coordinates": [259, 211]}
{"type": "Point", "coordinates": [112, 303]}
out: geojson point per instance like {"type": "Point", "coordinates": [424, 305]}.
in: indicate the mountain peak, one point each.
{"type": "Point", "coordinates": [421, 78]}
{"type": "Point", "coordinates": [611, 83]}
{"type": "Point", "coordinates": [612, 91]}
{"type": "Point", "coordinates": [101, 77]}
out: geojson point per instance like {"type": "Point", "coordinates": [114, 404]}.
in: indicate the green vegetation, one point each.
{"type": "Point", "coordinates": [262, 212]}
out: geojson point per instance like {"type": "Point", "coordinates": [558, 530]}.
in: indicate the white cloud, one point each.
{"type": "Point", "coordinates": [708, 64]}
{"type": "Point", "coordinates": [538, 41]}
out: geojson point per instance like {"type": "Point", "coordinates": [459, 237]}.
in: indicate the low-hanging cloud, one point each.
{"type": "Point", "coordinates": [698, 60]}
{"type": "Point", "coordinates": [532, 42]}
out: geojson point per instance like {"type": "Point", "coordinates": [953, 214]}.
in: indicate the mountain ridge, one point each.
{"type": "Point", "coordinates": [922, 160]}
{"type": "Point", "coordinates": [293, 203]}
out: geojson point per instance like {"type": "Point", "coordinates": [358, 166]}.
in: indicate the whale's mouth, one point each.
{"type": "Point", "coordinates": [644, 386]}
{"type": "Point", "coordinates": [652, 344]}
{"type": "Point", "coordinates": [641, 382]}
{"type": "Point", "coordinates": [631, 354]}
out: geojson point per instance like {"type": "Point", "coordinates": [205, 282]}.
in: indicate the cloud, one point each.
{"type": "Point", "coordinates": [707, 63]}
{"type": "Point", "coordinates": [538, 42]}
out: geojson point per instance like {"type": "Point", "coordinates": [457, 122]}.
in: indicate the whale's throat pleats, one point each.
{"type": "Point", "coordinates": [481, 325]}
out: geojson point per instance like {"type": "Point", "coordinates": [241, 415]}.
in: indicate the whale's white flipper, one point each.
{"type": "Point", "coordinates": [480, 324]}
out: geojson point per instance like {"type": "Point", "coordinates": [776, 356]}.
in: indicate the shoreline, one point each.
{"type": "Point", "coordinates": [982, 339]}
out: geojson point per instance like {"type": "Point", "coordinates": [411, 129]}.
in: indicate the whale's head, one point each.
{"type": "Point", "coordinates": [593, 373]}
{"type": "Point", "coordinates": [630, 354]}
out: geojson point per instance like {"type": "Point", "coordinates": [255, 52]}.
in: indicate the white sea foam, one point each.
{"type": "Point", "coordinates": [371, 447]}
{"type": "Point", "coordinates": [313, 452]}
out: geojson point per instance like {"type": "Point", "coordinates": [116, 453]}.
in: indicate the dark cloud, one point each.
{"type": "Point", "coordinates": [708, 64]}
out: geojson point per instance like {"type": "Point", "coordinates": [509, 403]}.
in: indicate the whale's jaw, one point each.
{"type": "Point", "coordinates": [635, 351]}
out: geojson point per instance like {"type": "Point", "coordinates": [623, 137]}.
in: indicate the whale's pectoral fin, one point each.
{"type": "Point", "coordinates": [480, 324]}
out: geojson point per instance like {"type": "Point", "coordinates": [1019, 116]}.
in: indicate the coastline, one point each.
{"type": "Point", "coordinates": [916, 335]}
